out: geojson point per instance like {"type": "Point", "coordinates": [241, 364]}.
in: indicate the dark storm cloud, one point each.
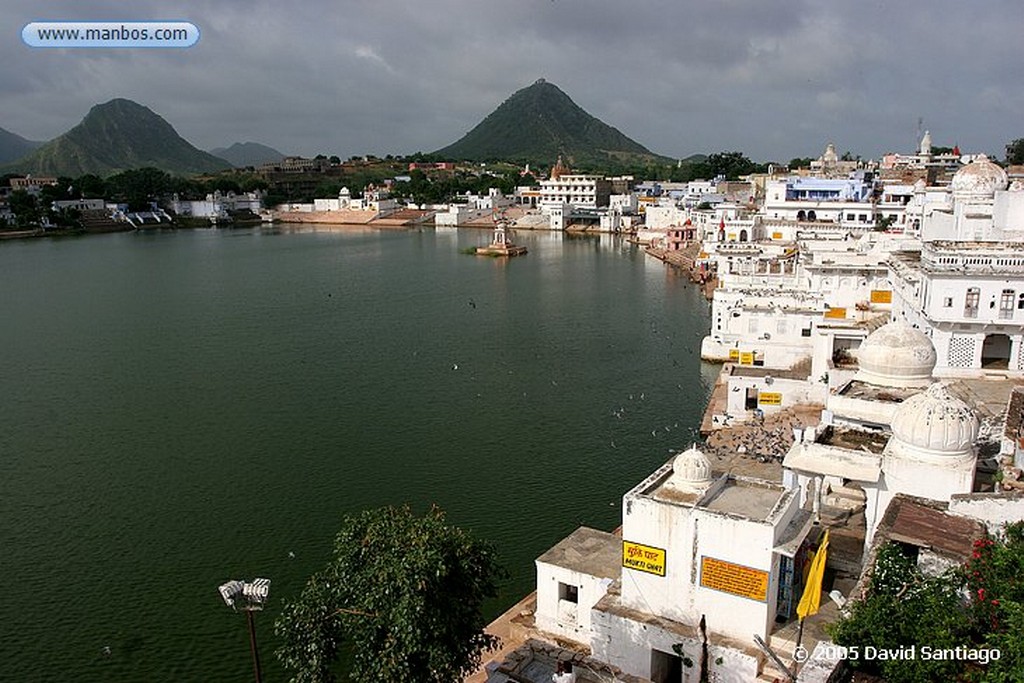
{"type": "Point", "coordinates": [774, 80]}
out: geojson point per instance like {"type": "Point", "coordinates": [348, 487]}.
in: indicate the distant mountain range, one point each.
{"type": "Point", "coordinates": [537, 124]}
{"type": "Point", "coordinates": [242, 154]}
{"type": "Point", "coordinates": [14, 146]}
{"type": "Point", "coordinates": [116, 136]}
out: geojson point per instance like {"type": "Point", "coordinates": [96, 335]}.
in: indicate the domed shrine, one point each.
{"type": "Point", "coordinates": [691, 471]}
{"type": "Point", "coordinates": [896, 355]}
{"type": "Point", "coordinates": [980, 178]}
{"type": "Point", "coordinates": [934, 423]}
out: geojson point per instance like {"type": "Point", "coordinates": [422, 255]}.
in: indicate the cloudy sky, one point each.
{"type": "Point", "coordinates": [774, 79]}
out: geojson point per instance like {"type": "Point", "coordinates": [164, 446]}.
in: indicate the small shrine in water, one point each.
{"type": "Point", "coordinates": [501, 243]}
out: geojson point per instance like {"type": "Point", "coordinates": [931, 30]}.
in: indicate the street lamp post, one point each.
{"type": "Point", "coordinates": [248, 597]}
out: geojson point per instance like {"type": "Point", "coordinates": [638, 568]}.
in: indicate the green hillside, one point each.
{"type": "Point", "coordinates": [14, 146]}
{"type": "Point", "coordinates": [242, 154]}
{"type": "Point", "coordinates": [113, 137]}
{"type": "Point", "coordinates": [540, 122]}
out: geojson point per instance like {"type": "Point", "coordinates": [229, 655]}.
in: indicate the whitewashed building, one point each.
{"type": "Point", "coordinates": [965, 287]}
{"type": "Point", "coordinates": [576, 190]}
{"type": "Point", "coordinates": [838, 204]}
{"type": "Point", "coordinates": [772, 296]}
{"type": "Point", "coordinates": [887, 431]}
{"type": "Point", "coordinates": [217, 205]}
{"type": "Point", "coordinates": [701, 560]}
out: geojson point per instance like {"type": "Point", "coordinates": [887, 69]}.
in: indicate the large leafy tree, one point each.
{"type": "Point", "coordinates": [977, 606]}
{"type": "Point", "coordinates": [401, 595]}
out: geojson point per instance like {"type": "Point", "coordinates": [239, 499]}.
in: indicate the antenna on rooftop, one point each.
{"type": "Point", "coordinates": [917, 138]}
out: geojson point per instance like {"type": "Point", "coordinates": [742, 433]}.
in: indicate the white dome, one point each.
{"type": "Point", "coordinates": [691, 471]}
{"type": "Point", "coordinates": [935, 422]}
{"type": "Point", "coordinates": [981, 177]}
{"type": "Point", "coordinates": [896, 355]}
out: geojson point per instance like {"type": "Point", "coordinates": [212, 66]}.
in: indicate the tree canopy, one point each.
{"type": "Point", "coordinates": [401, 594]}
{"type": "Point", "coordinates": [978, 607]}
{"type": "Point", "coordinates": [1015, 152]}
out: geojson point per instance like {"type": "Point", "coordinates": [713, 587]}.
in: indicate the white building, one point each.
{"type": "Point", "coordinates": [884, 433]}
{"type": "Point", "coordinates": [374, 200]}
{"type": "Point", "coordinates": [965, 287]}
{"type": "Point", "coordinates": [772, 296]}
{"type": "Point", "coordinates": [576, 190]}
{"type": "Point", "coordinates": [475, 207]}
{"type": "Point", "coordinates": [701, 560]}
{"type": "Point", "coordinates": [80, 204]}
{"type": "Point", "coordinates": [217, 205]}
{"type": "Point", "coordinates": [841, 205]}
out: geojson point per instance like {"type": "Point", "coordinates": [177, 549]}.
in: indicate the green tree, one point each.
{"type": "Point", "coordinates": [138, 187]}
{"type": "Point", "coordinates": [401, 594]}
{"type": "Point", "coordinates": [89, 186]}
{"type": "Point", "coordinates": [1015, 152]}
{"type": "Point", "coordinates": [327, 188]}
{"type": "Point", "coordinates": [978, 605]}
{"type": "Point", "coordinates": [25, 208]}
{"type": "Point", "coordinates": [729, 164]}
{"type": "Point", "coordinates": [48, 194]}
{"type": "Point", "coordinates": [904, 608]}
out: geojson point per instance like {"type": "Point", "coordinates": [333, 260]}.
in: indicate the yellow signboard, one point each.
{"type": "Point", "coordinates": [776, 235]}
{"type": "Point", "coordinates": [769, 398]}
{"type": "Point", "coordinates": [731, 236]}
{"type": "Point", "coordinates": [835, 313]}
{"type": "Point", "coordinates": [881, 296]}
{"type": "Point", "coordinates": [734, 354]}
{"type": "Point", "coordinates": [747, 358]}
{"type": "Point", "coordinates": [643, 558]}
{"type": "Point", "coordinates": [727, 577]}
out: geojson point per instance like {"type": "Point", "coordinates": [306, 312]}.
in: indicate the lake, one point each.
{"type": "Point", "coordinates": [180, 408]}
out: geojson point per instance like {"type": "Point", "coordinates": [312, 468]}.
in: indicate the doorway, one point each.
{"type": "Point", "coordinates": [995, 352]}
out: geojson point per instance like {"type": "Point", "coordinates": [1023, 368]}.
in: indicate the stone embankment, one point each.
{"type": "Point", "coordinates": [686, 259]}
{"type": "Point", "coordinates": [402, 218]}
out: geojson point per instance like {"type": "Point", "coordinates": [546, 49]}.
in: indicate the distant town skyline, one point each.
{"type": "Point", "coordinates": [773, 80]}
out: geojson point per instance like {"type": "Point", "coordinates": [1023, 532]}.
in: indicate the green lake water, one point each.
{"type": "Point", "coordinates": [183, 408]}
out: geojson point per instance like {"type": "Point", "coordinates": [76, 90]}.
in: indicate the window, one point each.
{"type": "Point", "coordinates": [568, 592]}
{"type": "Point", "coordinates": [1006, 304]}
{"type": "Point", "coordinates": [971, 302]}
{"type": "Point", "coordinates": [1020, 303]}
{"type": "Point", "coordinates": [805, 332]}
{"type": "Point", "coordinates": [947, 302]}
